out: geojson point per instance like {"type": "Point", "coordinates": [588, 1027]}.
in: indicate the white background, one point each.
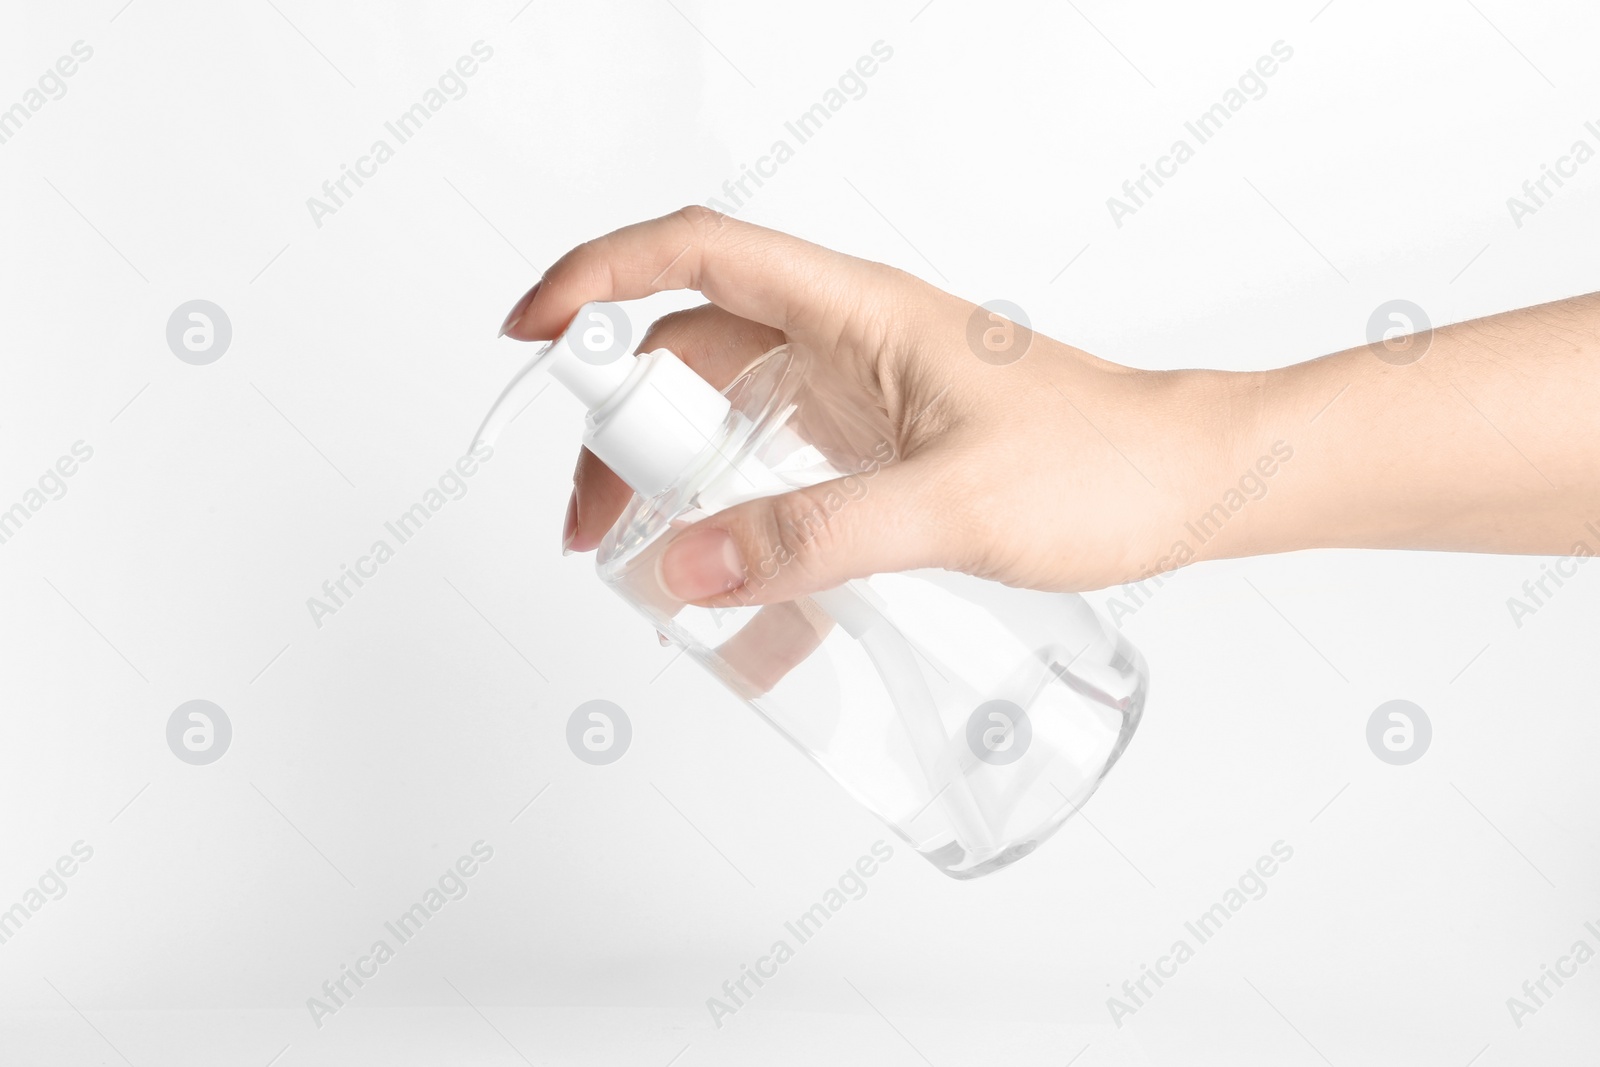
{"type": "Point", "coordinates": [370, 753]}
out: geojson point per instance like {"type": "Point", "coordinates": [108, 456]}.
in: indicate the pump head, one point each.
{"type": "Point", "coordinates": [650, 416]}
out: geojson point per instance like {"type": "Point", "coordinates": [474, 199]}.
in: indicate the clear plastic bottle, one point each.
{"type": "Point", "coordinates": [971, 717]}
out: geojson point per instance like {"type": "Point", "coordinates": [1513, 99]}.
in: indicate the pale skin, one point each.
{"type": "Point", "coordinates": [1063, 471]}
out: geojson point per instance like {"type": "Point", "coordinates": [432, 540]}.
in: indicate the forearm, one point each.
{"type": "Point", "coordinates": [1488, 443]}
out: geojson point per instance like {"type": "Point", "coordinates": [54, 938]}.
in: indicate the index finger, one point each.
{"type": "Point", "coordinates": [753, 272]}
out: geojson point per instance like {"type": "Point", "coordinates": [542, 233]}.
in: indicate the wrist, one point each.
{"type": "Point", "coordinates": [1237, 460]}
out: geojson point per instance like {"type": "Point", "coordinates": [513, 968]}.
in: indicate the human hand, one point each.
{"type": "Point", "coordinates": [1054, 471]}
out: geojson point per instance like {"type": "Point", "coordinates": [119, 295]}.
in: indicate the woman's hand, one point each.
{"type": "Point", "coordinates": [1019, 458]}
{"type": "Point", "coordinates": [1026, 460]}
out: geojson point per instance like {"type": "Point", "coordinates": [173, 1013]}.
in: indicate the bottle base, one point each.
{"type": "Point", "coordinates": [958, 863]}
{"type": "Point", "coordinates": [961, 864]}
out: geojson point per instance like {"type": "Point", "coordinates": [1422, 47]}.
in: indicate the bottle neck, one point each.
{"type": "Point", "coordinates": [657, 423]}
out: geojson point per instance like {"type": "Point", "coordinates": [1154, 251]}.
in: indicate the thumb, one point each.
{"type": "Point", "coordinates": [781, 547]}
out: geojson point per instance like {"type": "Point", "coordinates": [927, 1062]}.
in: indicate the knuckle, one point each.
{"type": "Point", "coordinates": [671, 328]}
{"type": "Point", "coordinates": [976, 519]}
{"type": "Point", "coordinates": [700, 219]}
{"type": "Point", "coordinates": [798, 532]}
{"type": "Point", "coordinates": [710, 228]}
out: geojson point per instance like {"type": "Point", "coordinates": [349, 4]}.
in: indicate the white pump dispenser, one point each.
{"type": "Point", "coordinates": [945, 707]}
{"type": "Point", "coordinates": [650, 416]}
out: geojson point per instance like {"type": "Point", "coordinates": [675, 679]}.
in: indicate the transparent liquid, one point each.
{"type": "Point", "coordinates": [971, 717]}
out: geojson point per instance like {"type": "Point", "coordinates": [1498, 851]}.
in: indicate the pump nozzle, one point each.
{"type": "Point", "coordinates": [650, 416]}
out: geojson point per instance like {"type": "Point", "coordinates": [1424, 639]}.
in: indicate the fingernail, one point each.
{"type": "Point", "coordinates": [569, 528]}
{"type": "Point", "coordinates": [702, 563]}
{"type": "Point", "coordinates": [519, 309]}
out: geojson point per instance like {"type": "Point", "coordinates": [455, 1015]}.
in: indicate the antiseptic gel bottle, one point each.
{"type": "Point", "coordinates": [971, 717]}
